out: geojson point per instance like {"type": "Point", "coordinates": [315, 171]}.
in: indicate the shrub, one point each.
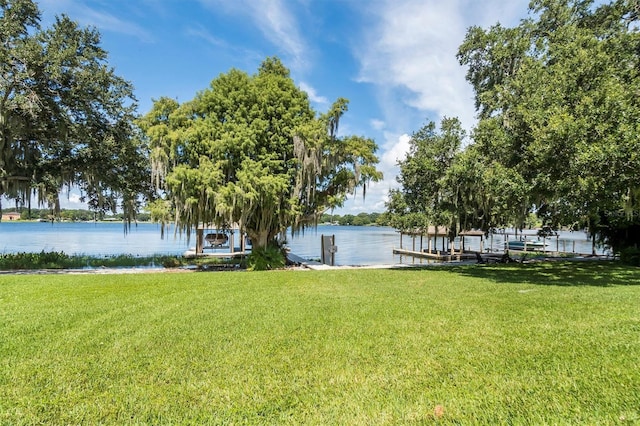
{"type": "Point", "coordinates": [60, 260]}
{"type": "Point", "coordinates": [630, 256]}
{"type": "Point", "coordinates": [265, 258]}
{"type": "Point", "coordinates": [42, 260]}
{"type": "Point", "coordinates": [171, 262]}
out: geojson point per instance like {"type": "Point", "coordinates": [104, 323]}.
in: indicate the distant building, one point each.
{"type": "Point", "coordinates": [11, 216]}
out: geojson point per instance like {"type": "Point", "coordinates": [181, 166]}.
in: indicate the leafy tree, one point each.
{"type": "Point", "coordinates": [66, 119]}
{"type": "Point", "coordinates": [383, 219]}
{"type": "Point", "coordinates": [250, 150]}
{"type": "Point", "coordinates": [329, 218]}
{"type": "Point", "coordinates": [360, 219]}
{"type": "Point", "coordinates": [559, 108]}
{"type": "Point", "coordinates": [76, 215]}
{"type": "Point", "coordinates": [346, 220]}
{"type": "Point", "coordinates": [485, 194]}
{"type": "Point", "coordinates": [425, 199]}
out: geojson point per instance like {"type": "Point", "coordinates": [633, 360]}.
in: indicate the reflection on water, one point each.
{"type": "Point", "coordinates": [356, 245]}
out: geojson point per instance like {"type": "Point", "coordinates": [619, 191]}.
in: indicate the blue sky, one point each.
{"type": "Point", "coordinates": [393, 59]}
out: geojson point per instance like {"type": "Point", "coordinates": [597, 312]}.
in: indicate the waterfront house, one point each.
{"type": "Point", "coordinates": [11, 216]}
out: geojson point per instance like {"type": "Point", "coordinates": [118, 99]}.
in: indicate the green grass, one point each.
{"type": "Point", "coordinates": [554, 343]}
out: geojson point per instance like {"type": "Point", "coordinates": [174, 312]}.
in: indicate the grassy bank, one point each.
{"type": "Point", "coordinates": [533, 344]}
{"type": "Point", "coordinates": [61, 260]}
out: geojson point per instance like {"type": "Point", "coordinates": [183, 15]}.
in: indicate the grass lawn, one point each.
{"type": "Point", "coordinates": [547, 343]}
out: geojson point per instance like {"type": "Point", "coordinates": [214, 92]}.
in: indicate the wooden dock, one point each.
{"type": "Point", "coordinates": [440, 256]}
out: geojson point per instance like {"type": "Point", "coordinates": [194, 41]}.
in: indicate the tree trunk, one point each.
{"type": "Point", "coordinates": [259, 238]}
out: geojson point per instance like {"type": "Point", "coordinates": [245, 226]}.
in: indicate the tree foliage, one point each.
{"type": "Point", "coordinates": [558, 101]}
{"type": "Point", "coordinates": [66, 119]}
{"type": "Point", "coordinates": [425, 199]}
{"type": "Point", "coordinates": [250, 150]}
{"type": "Point", "coordinates": [559, 108]}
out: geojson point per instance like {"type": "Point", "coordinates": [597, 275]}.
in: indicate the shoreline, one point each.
{"type": "Point", "coordinates": [301, 267]}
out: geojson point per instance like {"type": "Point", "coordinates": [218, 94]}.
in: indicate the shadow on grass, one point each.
{"type": "Point", "coordinates": [567, 273]}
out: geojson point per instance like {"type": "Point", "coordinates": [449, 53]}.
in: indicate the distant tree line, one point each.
{"type": "Point", "coordinates": [84, 215]}
{"type": "Point", "coordinates": [74, 215]}
{"type": "Point", "coordinates": [361, 219]}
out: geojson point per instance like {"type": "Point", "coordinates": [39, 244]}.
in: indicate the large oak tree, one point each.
{"type": "Point", "coordinates": [66, 118]}
{"type": "Point", "coordinates": [558, 98]}
{"type": "Point", "coordinates": [249, 150]}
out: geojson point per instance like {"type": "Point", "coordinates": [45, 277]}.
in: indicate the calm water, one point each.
{"type": "Point", "coordinates": [356, 245]}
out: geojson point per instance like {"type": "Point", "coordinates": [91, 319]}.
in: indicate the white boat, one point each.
{"type": "Point", "coordinates": [526, 244]}
{"type": "Point", "coordinates": [216, 239]}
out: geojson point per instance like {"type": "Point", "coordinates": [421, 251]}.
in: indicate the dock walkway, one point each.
{"type": "Point", "coordinates": [440, 256]}
{"type": "Point", "coordinates": [310, 264]}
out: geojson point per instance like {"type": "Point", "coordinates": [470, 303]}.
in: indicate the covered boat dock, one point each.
{"type": "Point", "coordinates": [438, 244]}
{"type": "Point", "coordinates": [212, 241]}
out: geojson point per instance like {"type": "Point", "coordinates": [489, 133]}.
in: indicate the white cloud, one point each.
{"type": "Point", "coordinates": [74, 198]}
{"type": "Point", "coordinates": [279, 26]}
{"type": "Point", "coordinates": [393, 150]}
{"type": "Point", "coordinates": [274, 20]}
{"type": "Point", "coordinates": [377, 124]}
{"type": "Point", "coordinates": [313, 95]}
{"type": "Point", "coordinates": [198, 31]}
{"type": "Point", "coordinates": [218, 44]}
{"type": "Point", "coordinates": [410, 51]}
{"type": "Point", "coordinates": [374, 201]}
{"type": "Point", "coordinates": [71, 200]}
{"type": "Point", "coordinates": [108, 22]}
{"type": "Point", "coordinates": [396, 150]}
{"type": "Point", "coordinates": [412, 48]}
{"type": "Point", "coordinates": [102, 20]}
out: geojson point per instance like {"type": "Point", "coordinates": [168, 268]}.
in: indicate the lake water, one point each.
{"type": "Point", "coordinates": [356, 245]}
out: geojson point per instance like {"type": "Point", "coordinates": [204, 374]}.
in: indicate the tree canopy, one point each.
{"type": "Point", "coordinates": [425, 198]}
{"type": "Point", "coordinates": [559, 108]}
{"type": "Point", "coordinates": [250, 150]}
{"type": "Point", "coordinates": [66, 118]}
{"type": "Point", "coordinates": [558, 101]}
